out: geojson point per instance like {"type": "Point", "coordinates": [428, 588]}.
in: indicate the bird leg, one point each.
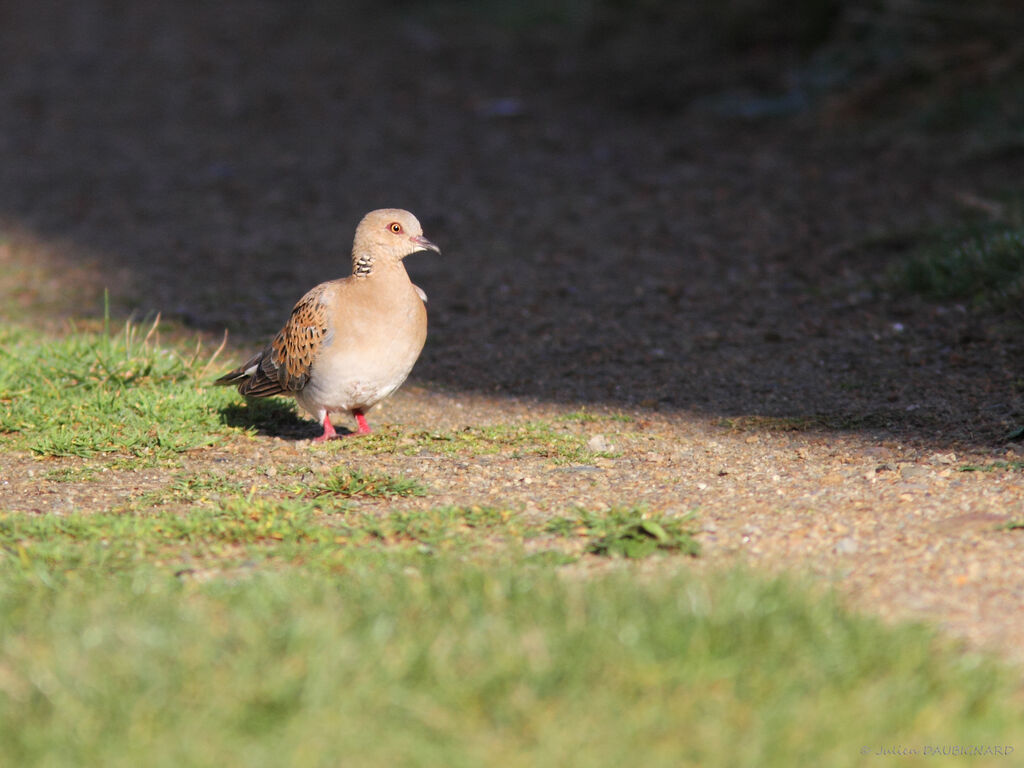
{"type": "Point", "coordinates": [328, 430]}
{"type": "Point", "coordinates": [364, 428]}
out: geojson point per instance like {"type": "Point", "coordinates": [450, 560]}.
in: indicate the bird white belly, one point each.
{"type": "Point", "coordinates": [354, 380]}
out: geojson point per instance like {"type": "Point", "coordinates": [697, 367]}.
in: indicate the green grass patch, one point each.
{"type": "Point", "coordinates": [547, 439]}
{"type": "Point", "coordinates": [201, 487]}
{"type": "Point", "coordinates": [267, 632]}
{"type": "Point", "coordinates": [342, 483]}
{"type": "Point", "coordinates": [189, 488]}
{"type": "Point", "coordinates": [533, 439]}
{"type": "Point", "coordinates": [214, 536]}
{"type": "Point", "coordinates": [438, 662]}
{"type": "Point", "coordinates": [347, 482]}
{"type": "Point", "coordinates": [631, 532]}
{"type": "Point", "coordinates": [448, 529]}
{"type": "Point", "coordinates": [984, 267]}
{"type": "Point", "coordinates": [995, 466]}
{"type": "Point", "coordinates": [319, 534]}
{"type": "Point", "coordinates": [584, 416]}
{"type": "Point", "coordinates": [759, 423]}
{"type": "Point", "coordinates": [96, 392]}
{"type": "Point", "coordinates": [78, 474]}
{"type": "Point", "coordinates": [316, 533]}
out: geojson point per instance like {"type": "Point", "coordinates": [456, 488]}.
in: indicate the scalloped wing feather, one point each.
{"type": "Point", "coordinates": [297, 345]}
{"type": "Point", "coordinates": [284, 366]}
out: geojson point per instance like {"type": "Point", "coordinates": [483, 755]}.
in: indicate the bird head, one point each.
{"type": "Point", "coordinates": [392, 231]}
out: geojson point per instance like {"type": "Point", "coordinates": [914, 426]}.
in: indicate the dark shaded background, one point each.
{"type": "Point", "coordinates": [639, 204]}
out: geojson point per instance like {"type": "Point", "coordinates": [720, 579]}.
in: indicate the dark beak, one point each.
{"type": "Point", "coordinates": [425, 244]}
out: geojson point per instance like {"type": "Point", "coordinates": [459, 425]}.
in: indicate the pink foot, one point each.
{"type": "Point", "coordinates": [363, 427]}
{"type": "Point", "coordinates": [328, 431]}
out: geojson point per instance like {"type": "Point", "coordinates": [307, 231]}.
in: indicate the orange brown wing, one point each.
{"type": "Point", "coordinates": [284, 366]}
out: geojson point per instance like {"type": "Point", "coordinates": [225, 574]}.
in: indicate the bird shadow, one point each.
{"type": "Point", "coordinates": [271, 418]}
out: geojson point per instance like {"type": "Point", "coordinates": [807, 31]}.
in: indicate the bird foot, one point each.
{"type": "Point", "coordinates": [362, 427]}
{"type": "Point", "coordinates": [329, 432]}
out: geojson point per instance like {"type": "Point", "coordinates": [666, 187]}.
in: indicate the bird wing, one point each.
{"type": "Point", "coordinates": [284, 366]}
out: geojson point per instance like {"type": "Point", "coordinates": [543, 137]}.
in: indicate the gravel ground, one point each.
{"type": "Point", "coordinates": [705, 276]}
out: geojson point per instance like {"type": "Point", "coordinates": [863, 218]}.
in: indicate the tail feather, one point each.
{"type": "Point", "coordinates": [254, 378]}
{"type": "Point", "coordinates": [233, 377]}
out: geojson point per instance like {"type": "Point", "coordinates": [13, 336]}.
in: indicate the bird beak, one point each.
{"type": "Point", "coordinates": [425, 244]}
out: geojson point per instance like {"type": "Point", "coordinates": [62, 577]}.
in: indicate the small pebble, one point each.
{"type": "Point", "coordinates": [846, 546]}
{"type": "Point", "coordinates": [914, 470]}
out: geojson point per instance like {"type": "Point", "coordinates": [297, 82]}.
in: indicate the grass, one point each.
{"type": "Point", "coordinates": [632, 532]}
{"type": "Point", "coordinates": [219, 536]}
{"type": "Point", "coordinates": [435, 661]}
{"type": "Point", "coordinates": [584, 416]}
{"type": "Point", "coordinates": [73, 475]}
{"type": "Point", "coordinates": [995, 466]}
{"type": "Point", "coordinates": [347, 482]}
{"type": "Point", "coordinates": [315, 532]}
{"type": "Point", "coordinates": [483, 530]}
{"type": "Point", "coordinates": [758, 423]}
{"type": "Point", "coordinates": [984, 267]}
{"type": "Point", "coordinates": [93, 392]}
{"type": "Point", "coordinates": [554, 439]}
{"type": "Point", "coordinates": [533, 439]}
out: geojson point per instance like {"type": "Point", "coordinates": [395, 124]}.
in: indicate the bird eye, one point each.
{"type": "Point", "coordinates": [395, 227]}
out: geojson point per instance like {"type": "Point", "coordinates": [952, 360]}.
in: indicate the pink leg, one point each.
{"type": "Point", "coordinates": [364, 428]}
{"type": "Point", "coordinates": [328, 430]}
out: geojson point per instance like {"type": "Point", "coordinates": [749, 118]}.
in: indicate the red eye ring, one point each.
{"type": "Point", "coordinates": [395, 227]}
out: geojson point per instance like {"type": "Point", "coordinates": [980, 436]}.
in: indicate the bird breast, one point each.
{"type": "Point", "coordinates": [372, 347]}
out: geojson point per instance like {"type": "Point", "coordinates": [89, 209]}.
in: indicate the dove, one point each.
{"type": "Point", "coordinates": [349, 343]}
